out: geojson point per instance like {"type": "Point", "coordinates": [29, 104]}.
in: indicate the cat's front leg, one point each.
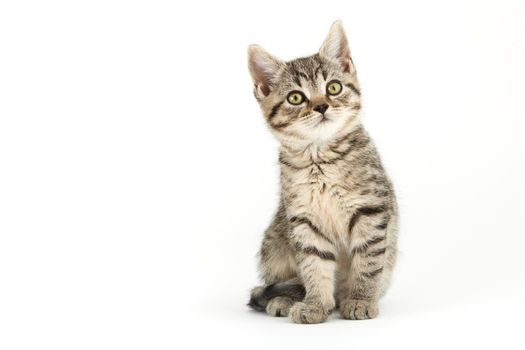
{"type": "Point", "coordinates": [369, 263]}
{"type": "Point", "coordinates": [315, 255]}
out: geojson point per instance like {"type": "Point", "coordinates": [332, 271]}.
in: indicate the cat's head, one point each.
{"type": "Point", "coordinates": [308, 100]}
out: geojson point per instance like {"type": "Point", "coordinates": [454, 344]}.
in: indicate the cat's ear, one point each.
{"type": "Point", "coordinates": [335, 47]}
{"type": "Point", "coordinates": [263, 68]}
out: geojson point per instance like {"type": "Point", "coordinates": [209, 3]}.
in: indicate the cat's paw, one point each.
{"type": "Point", "coordinates": [353, 309]}
{"type": "Point", "coordinates": [279, 306]}
{"type": "Point", "coordinates": [308, 313]}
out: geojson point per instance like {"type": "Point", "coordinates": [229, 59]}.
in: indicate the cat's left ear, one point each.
{"type": "Point", "coordinates": [335, 47]}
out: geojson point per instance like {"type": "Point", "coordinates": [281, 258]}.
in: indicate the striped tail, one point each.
{"type": "Point", "coordinates": [260, 296]}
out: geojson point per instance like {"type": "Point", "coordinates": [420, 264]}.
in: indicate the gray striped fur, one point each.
{"type": "Point", "coordinates": [335, 231]}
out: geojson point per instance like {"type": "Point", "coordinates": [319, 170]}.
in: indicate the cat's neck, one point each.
{"type": "Point", "coordinates": [322, 152]}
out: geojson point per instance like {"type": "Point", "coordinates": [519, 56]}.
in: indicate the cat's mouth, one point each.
{"type": "Point", "coordinates": [324, 120]}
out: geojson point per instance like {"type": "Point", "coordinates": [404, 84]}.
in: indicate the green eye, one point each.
{"type": "Point", "coordinates": [334, 87]}
{"type": "Point", "coordinates": [295, 98]}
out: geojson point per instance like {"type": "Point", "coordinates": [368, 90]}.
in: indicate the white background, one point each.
{"type": "Point", "coordinates": [137, 175]}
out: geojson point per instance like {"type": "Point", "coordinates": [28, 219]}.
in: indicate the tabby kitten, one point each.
{"type": "Point", "coordinates": [332, 242]}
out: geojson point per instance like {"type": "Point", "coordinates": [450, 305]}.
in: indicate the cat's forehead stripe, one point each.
{"type": "Point", "coordinates": [306, 68]}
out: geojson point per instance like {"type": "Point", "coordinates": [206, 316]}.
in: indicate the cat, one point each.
{"type": "Point", "coordinates": [332, 243]}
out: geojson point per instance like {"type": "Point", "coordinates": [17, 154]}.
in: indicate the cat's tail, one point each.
{"type": "Point", "coordinates": [260, 296]}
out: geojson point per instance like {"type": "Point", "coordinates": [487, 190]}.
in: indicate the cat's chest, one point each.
{"type": "Point", "coordinates": [321, 194]}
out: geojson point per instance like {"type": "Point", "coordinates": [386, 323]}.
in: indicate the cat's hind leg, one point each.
{"type": "Point", "coordinates": [277, 299]}
{"type": "Point", "coordinates": [278, 269]}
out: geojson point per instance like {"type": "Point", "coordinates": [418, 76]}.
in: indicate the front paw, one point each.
{"type": "Point", "coordinates": [308, 313]}
{"type": "Point", "coordinates": [354, 309]}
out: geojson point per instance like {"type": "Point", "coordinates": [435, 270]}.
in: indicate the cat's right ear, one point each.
{"type": "Point", "coordinates": [263, 68]}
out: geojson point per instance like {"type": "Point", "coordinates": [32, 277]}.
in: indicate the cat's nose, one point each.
{"type": "Point", "coordinates": [321, 108]}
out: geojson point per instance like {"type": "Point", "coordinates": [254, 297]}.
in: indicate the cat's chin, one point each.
{"type": "Point", "coordinates": [322, 137]}
{"type": "Point", "coordinates": [319, 133]}
{"type": "Point", "coordinates": [325, 130]}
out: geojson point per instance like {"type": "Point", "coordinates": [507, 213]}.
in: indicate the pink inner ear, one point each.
{"type": "Point", "coordinates": [265, 89]}
{"type": "Point", "coordinates": [345, 62]}
{"type": "Point", "coordinates": [344, 57]}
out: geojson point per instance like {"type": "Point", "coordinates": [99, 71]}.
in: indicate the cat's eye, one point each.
{"type": "Point", "coordinates": [334, 87]}
{"type": "Point", "coordinates": [295, 98]}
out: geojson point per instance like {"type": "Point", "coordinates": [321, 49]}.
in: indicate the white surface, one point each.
{"type": "Point", "coordinates": [137, 176]}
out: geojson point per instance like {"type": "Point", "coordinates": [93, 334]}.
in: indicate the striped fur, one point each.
{"type": "Point", "coordinates": [333, 239]}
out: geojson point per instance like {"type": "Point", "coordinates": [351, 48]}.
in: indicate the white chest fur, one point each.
{"type": "Point", "coordinates": [319, 193]}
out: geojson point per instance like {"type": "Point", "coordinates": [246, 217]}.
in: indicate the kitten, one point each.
{"type": "Point", "coordinates": [332, 242]}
